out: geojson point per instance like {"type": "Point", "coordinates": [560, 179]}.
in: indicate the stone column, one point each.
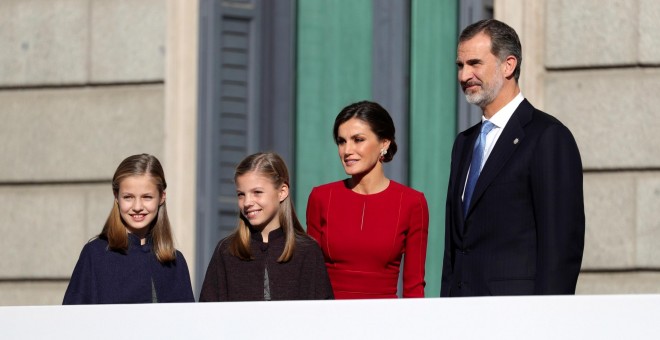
{"type": "Point", "coordinates": [181, 123]}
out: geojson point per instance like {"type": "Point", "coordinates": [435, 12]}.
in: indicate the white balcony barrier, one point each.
{"type": "Point", "coordinates": [545, 317]}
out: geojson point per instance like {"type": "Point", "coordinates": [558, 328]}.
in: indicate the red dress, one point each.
{"type": "Point", "coordinates": [364, 236]}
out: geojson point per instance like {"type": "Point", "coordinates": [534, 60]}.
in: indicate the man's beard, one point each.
{"type": "Point", "coordinates": [487, 93]}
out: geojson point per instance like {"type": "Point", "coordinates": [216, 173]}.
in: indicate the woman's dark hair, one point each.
{"type": "Point", "coordinates": [115, 230]}
{"type": "Point", "coordinates": [373, 114]}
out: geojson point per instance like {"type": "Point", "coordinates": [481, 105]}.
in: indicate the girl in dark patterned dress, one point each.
{"type": "Point", "coordinates": [268, 256]}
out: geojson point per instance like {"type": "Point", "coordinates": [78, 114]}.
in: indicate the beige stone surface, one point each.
{"type": "Point", "coordinates": [127, 40]}
{"type": "Point", "coordinates": [180, 163]}
{"type": "Point", "coordinates": [99, 202]}
{"type": "Point", "coordinates": [591, 33]}
{"type": "Point", "coordinates": [649, 32]}
{"type": "Point", "coordinates": [43, 42]}
{"type": "Point", "coordinates": [623, 228]}
{"type": "Point", "coordinates": [648, 221]}
{"type": "Point", "coordinates": [45, 227]}
{"type": "Point", "coordinates": [32, 293]}
{"type": "Point", "coordinates": [68, 42]}
{"type": "Point", "coordinates": [610, 236]}
{"type": "Point", "coordinates": [528, 19]}
{"type": "Point", "coordinates": [619, 283]}
{"type": "Point", "coordinates": [612, 114]}
{"type": "Point", "coordinates": [77, 134]}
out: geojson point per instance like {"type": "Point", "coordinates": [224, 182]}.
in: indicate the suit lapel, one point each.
{"type": "Point", "coordinates": [505, 147]}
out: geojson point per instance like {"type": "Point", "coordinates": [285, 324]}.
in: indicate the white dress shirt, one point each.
{"type": "Point", "coordinates": [499, 119]}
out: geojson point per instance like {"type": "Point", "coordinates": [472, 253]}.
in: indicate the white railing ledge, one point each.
{"type": "Point", "coordinates": [528, 317]}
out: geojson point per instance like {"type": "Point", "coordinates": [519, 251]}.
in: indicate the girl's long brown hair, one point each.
{"type": "Point", "coordinates": [114, 229]}
{"type": "Point", "coordinates": [272, 166]}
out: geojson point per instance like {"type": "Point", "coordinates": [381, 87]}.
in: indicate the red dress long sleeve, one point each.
{"type": "Point", "coordinates": [363, 238]}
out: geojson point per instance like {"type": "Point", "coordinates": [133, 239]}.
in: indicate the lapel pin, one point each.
{"type": "Point", "coordinates": [515, 141]}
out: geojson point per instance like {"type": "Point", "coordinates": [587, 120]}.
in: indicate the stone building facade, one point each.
{"type": "Point", "coordinates": [84, 83]}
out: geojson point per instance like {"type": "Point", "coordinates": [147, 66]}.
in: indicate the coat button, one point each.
{"type": "Point", "coordinates": [460, 284]}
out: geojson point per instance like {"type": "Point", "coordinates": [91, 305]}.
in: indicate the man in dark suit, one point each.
{"type": "Point", "coordinates": [515, 209]}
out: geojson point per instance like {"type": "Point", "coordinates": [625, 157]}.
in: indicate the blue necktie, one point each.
{"type": "Point", "coordinates": [475, 165]}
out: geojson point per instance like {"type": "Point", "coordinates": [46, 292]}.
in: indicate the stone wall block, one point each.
{"type": "Point", "coordinates": [619, 283]}
{"type": "Point", "coordinates": [612, 114]}
{"type": "Point", "coordinates": [44, 228]}
{"type": "Point", "coordinates": [77, 134]}
{"type": "Point", "coordinates": [648, 220]}
{"type": "Point", "coordinates": [609, 204]}
{"type": "Point", "coordinates": [32, 293]}
{"type": "Point", "coordinates": [99, 203]}
{"type": "Point", "coordinates": [43, 42]}
{"type": "Point", "coordinates": [647, 86]}
{"type": "Point", "coordinates": [649, 32]}
{"type": "Point", "coordinates": [127, 40]}
{"type": "Point", "coordinates": [587, 33]}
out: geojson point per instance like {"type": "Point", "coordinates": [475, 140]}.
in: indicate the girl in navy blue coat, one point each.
{"type": "Point", "coordinates": [133, 260]}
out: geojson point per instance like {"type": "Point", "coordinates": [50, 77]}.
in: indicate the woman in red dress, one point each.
{"type": "Point", "coordinates": [367, 222]}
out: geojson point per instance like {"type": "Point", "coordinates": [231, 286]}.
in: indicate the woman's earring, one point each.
{"type": "Point", "coordinates": [383, 152]}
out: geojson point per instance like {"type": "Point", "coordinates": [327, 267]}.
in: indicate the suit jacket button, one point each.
{"type": "Point", "coordinates": [460, 284]}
